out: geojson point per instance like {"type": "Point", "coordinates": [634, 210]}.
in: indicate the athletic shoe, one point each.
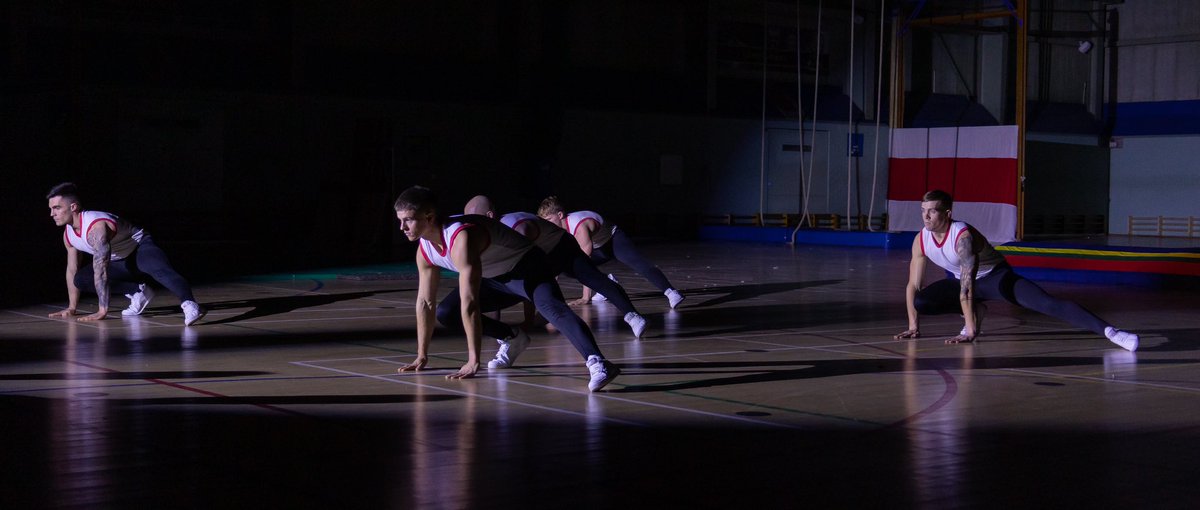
{"type": "Point", "coordinates": [637, 322]}
{"type": "Point", "coordinates": [509, 349]}
{"type": "Point", "coordinates": [192, 312]}
{"type": "Point", "coordinates": [674, 297]}
{"type": "Point", "coordinates": [1125, 339]}
{"type": "Point", "coordinates": [602, 372]}
{"type": "Point", "coordinates": [980, 311]}
{"type": "Point", "coordinates": [598, 297]}
{"type": "Point", "coordinates": [139, 300]}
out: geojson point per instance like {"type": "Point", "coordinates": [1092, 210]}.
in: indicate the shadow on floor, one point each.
{"type": "Point", "coordinates": [265, 307]}
{"type": "Point", "coordinates": [769, 371]}
{"type": "Point", "coordinates": [731, 293]}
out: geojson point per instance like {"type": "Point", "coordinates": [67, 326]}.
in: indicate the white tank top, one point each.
{"type": "Point", "coordinates": [546, 235]}
{"type": "Point", "coordinates": [946, 256]}
{"type": "Point", "coordinates": [600, 235]}
{"type": "Point", "coordinates": [123, 241]}
{"type": "Point", "coordinates": [504, 247]}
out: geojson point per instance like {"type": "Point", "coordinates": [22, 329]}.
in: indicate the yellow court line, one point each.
{"type": "Point", "coordinates": [1103, 253]}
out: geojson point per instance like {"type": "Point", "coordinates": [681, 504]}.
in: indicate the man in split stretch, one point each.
{"type": "Point", "coordinates": [980, 274]}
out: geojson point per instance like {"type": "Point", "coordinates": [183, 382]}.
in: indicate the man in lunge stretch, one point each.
{"type": "Point", "coordinates": [496, 268]}
{"type": "Point", "coordinates": [980, 274]}
{"type": "Point", "coordinates": [564, 256]}
{"type": "Point", "coordinates": [604, 242]}
{"type": "Point", "coordinates": [124, 260]}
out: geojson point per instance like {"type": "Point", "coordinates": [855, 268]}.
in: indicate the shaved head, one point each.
{"type": "Point", "coordinates": [480, 204]}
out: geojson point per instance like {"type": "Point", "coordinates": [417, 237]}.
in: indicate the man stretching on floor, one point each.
{"type": "Point", "coordinates": [564, 256]}
{"type": "Point", "coordinates": [604, 242]}
{"type": "Point", "coordinates": [124, 258]}
{"type": "Point", "coordinates": [980, 274]}
{"type": "Point", "coordinates": [497, 268]}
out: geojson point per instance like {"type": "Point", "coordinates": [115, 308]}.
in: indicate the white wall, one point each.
{"type": "Point", "coordinates": [1158, 48]}
{"type": "Point", "coordinates": [613, 159]}
{"type": "Point", "coordinates": [1153, 176]}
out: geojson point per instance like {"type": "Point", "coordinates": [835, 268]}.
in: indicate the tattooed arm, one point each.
{"type": "Point", "coordinates": [964, 247]}
{"type": "Point", "coordinates": [98, 238]}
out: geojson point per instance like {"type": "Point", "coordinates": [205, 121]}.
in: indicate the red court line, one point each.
{"type": "Point", "coordinates": [191, 389]}
{"type": "Point", "coordinates": [1127, 266]}
{"type": "Point", "coordinates": [948, 394]}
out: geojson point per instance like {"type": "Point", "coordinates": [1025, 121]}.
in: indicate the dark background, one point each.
{"type": "Point", "coordinates": [273, 135]}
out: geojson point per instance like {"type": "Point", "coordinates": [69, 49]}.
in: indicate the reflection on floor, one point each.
{"type": "Point", "coordinates": [775, 382]}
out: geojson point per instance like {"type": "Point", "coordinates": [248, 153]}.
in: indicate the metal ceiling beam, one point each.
{"type": "Point", "coordinates": [958, 19]}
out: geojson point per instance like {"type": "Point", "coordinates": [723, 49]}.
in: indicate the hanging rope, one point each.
{"type": "Point", "coordinates": [894, 92]}
{"type": "Point", "coordinates": [800, 122]}
{"type": "Point", "coordinates": [816, 87]}
{"type": "Point", "coordinates": [813, 137]}
{"type": "Point", "coordinates": [878, 109]}
{"type": "Point", "coordinates": [850, 114]}
{"type": "Point", "coordinates": [762, 155]}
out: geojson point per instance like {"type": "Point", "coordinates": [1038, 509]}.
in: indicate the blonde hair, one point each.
{"type": "Point", "coordinates": [550, 205]}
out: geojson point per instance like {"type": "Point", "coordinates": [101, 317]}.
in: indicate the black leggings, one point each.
{"type": "Point", "coordinates": [621, 248]}
{"type": "Point", "coordinates": [567, 258]}
{"type": "Point", "coordinates": [1002, 283]}
{"type": "Point", "coordinates": [530, 280]}
{"type": "Point", "coordinates": [147, 262]}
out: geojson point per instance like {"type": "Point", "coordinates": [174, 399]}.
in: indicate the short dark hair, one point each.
{"type": "Point", "coordinates": [944, 198]}
{"type": "Point", "coordinates": [416, 198]}
{"type": "Point", "coordinates": [66, 190]}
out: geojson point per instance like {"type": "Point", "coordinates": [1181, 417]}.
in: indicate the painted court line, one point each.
{"type": "Point", "coordinates": [399, 380]}
{"type": "Point", "coordinates": [610, 396]}
{"type": "Point", "coordinates": [1105, 380]}
{"type": "Point", "coordinates": [286, 321]}
{"type": "Point", "coordinates": [450, 354]}
{"type": "Point", "coordinates": [185, 387]}
{"type": "Point", "coordinates": [325, 293]}
{"type": "Point", "coordinates": [90, 324]}
{"type": "Point", "coordinates": [393, 379]}
{"type": "Point", "coordinates": [829, 348]}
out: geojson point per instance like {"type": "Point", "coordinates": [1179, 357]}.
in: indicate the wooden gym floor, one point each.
{"type": "Point", "coordinates": [776, 382]}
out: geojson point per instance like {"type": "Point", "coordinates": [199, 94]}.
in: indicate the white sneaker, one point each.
{"type": "Point", "coordinates": [674, 297]}
{"type": "Point", "coordinates": [509, 349]}
{"type": "Point", "coordinates": [192, 312]}
{"type": "Point", "coordinates": [637, 322]}
{"type": "Point", "coordinates": [1125, 339]}
{"type": "Point", "coordinates": [598, 297]}
{"type": "Point", "coordinates": [980, 311]}
{"type": "Point", "coordinates": [602, 372]}
{"type": "Point", "coordinates": [138, 301]}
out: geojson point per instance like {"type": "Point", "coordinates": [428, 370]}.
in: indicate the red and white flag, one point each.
{"type": "Point", "coordinates": [976, 165]}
